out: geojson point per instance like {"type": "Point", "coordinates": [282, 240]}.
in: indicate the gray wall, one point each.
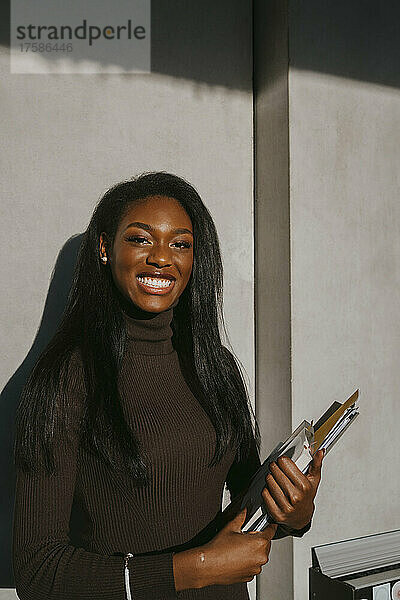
{"type": "Point", "coordinates": [345, 226]}
{"type": "Point", "coordinates": [67, 138]}
{"type": "Point", "coordinates": [330, 190]}
{"type": "Point", "coordinates": [345, 247]}
{"type": "Point", "coordinates": [272, 290]}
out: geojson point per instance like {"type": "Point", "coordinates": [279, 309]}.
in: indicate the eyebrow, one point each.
{"type": "Point", "coordinates": [150, 228]}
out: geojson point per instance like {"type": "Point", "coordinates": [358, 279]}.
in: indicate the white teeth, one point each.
{"type": "Point", "coordinates": [158, 283]}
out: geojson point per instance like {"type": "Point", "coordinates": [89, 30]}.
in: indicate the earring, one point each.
{"type": "Point", "coordinates": [104, 259]}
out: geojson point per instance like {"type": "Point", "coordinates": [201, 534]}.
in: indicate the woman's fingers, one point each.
{"type": "Point", "coordinates": [277, 494]}
{"type": "Point", "coordinates": [269, 532]}
{"type": "Point", "coordinates": [295, 481]}
{"type": "Point", "coordinates": [314, 472]}
{"type": "Point", "coordinates": [289, 495]}
{"type": "Point", "coordinates": [271, 506]}
{"type": "Point", "coordinates": [290, 490]}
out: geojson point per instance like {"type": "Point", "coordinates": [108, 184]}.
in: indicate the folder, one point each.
{"type": "Point", "coordinates": [301, 446]}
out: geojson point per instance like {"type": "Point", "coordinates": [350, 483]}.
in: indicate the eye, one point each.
{"type": "Point", "coordinates": [183, 244]}
{"type": "Point", "coordinates": [137, 238]}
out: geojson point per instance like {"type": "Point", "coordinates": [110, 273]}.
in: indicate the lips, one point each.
{"type": "Point", "coordinates": [147, 282]}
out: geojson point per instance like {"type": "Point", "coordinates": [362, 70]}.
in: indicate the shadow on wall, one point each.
{"type": "Point", "coordinates": [54, 307]}
{"type": "Point", "coordinates": [358, 39]}
{"type": "Point", "coordinates": [203, 41]}
{"type": "Point", "coordinates": [211, 41]}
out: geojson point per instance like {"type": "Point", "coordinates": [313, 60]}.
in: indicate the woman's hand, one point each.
{"type": "Point", "coordinates": [289, 495]}
{"type": "Point", "coordinates": [230, 557]}
{"type": "Point", "coordinates": [234, 556]}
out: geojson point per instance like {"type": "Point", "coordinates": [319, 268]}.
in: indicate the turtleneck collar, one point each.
{"type": "Point", "coordinates": [150, 333]}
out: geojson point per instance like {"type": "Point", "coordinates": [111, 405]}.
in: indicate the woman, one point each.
{"type": "Point", "coordinates": [136, 415]}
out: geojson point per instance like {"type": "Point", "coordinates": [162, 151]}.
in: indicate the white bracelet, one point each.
{"type": "Point", "coordinates": [127, 580]}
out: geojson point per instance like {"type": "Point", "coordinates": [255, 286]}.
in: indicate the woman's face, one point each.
{"type": "Point", "coordinates": [151, 257]}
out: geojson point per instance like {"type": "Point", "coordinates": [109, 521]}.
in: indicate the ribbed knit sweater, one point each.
{"type": "Point", "coordinates": [73, 529]}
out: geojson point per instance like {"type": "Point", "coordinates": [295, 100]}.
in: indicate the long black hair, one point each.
{"type": "Point", "coordinates": [93, 325]}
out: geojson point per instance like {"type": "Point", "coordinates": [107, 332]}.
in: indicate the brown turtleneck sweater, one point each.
{"type": "Point", "coordinates": [72, 530]}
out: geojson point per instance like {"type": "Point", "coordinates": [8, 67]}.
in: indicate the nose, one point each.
{"type": "Point", "coordinates": [159, 256]}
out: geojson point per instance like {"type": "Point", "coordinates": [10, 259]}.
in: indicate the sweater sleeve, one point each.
{"type": "Point", "coordinates": [238, 479]}
{"type": "Point", "coordinates": [47, 565]}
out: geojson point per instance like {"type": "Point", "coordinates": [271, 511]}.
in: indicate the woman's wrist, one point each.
{"type": "Point", "coordinates": [189, 569]}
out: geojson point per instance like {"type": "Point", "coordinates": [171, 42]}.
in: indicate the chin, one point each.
{"type": "Point", "coordinates": [154, 304]}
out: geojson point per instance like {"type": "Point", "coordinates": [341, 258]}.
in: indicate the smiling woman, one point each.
{"type": "Point", "coordinates": [151, 256]}
{"type": "Point", "coordinates": [135, 416]}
